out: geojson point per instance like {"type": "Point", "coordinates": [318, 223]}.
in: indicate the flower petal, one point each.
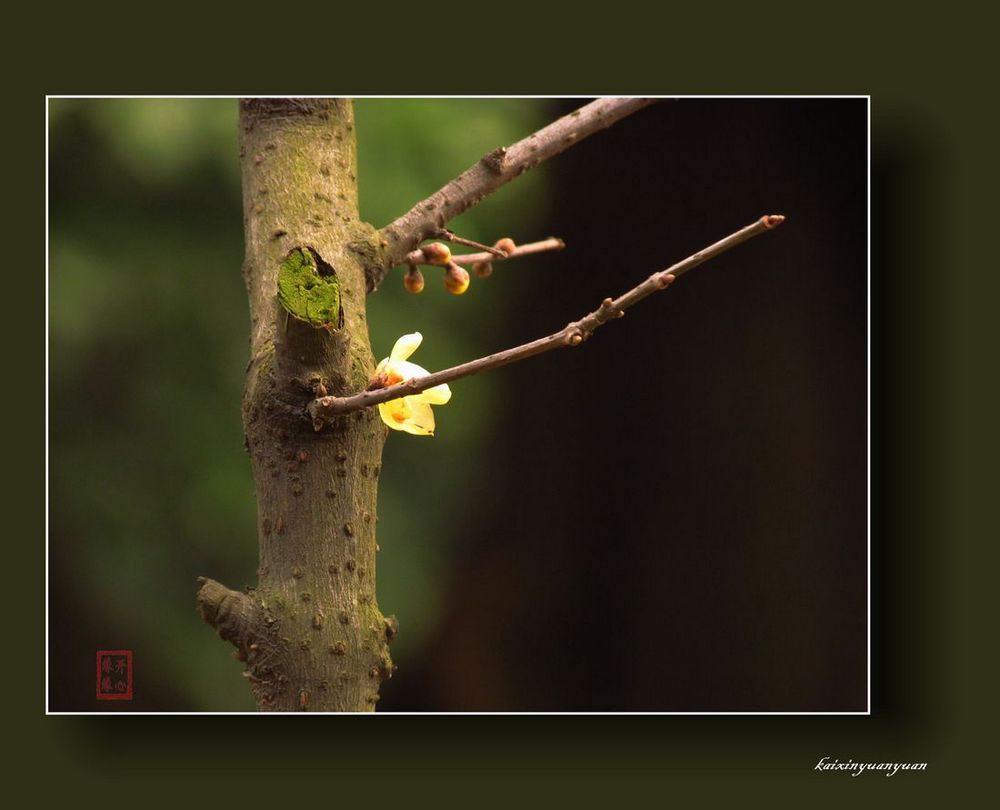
{"type": "Point", "coordinates": [438, 395]}
{"type": "Point", "coordinates": [390, 373]}
{"type": "Point", "coordinates": [394, 413]}
{"type": "Point", "coordinates": [406, 346]}
{"type": "Point", "coordinates": [421, 419]}
{"type": "Point", "coordinates": [408, 370]}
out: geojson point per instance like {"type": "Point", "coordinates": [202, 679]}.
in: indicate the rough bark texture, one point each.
{"type": "Point", "coordinates": [311, 632]}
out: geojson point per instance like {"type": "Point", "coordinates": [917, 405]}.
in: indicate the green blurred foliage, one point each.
{"type": "Point", "coordinates": [149, 484]}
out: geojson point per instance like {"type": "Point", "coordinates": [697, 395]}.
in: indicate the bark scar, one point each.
{"type": "Point", "coordinates": [494, 160]}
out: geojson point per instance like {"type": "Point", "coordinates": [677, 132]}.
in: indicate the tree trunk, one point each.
{"type": "Point", "coordinates": [311, 633]}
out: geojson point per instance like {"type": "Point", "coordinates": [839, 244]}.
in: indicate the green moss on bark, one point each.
{"type": "Point", "coordinates": [306, 294]}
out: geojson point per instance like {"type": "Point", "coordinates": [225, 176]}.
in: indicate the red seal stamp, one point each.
{"type": "Point", "coordinates": [114, 674]}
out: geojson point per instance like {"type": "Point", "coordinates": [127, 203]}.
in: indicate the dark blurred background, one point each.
{"type": "Point", "coordinates": [670, 518]}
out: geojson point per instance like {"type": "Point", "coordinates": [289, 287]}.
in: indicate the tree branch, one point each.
{"type": "Point", "coordinates": [494, 170]}
{"type": "Point", "coordinates": [552, 243]}
{"type": "Point", "coordinates": [322, 409]}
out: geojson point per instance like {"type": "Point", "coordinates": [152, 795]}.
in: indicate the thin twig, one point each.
{"type": "Point", "coordinates": [322, 409]}
{"type": "Point", "coordinates": [494, 170]}
{"type": "Point", "coordinates": [450, 236]}
{"type": "Point", "coordinates": [417, 256]}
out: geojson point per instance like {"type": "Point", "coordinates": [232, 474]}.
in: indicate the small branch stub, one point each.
{"type": "Point", "coordinates": [230, 612]}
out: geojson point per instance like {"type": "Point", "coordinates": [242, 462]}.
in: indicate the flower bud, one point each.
{"type": "Point", "coordinates": [506, 245]}
{"type": "Point", "coordinates": [456, 280]}
{"type": "Point", "coordinates": [413, 281]}
{"type": "Point", "coordinates": [437, 253]}
{"type": "Point", "coordinates": [483, 269]}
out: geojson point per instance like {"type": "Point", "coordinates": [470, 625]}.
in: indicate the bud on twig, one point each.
{"type": "Point", "coordinates": [437, 253]}
{"type": "Point", "coordinates": [413, 281]}
{"type": "Point", "coordinates": [506, 245]}
{"type": "Point", "coordinates": [456, 280]}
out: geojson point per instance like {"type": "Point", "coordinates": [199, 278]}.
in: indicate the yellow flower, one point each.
{"type": "Point", "coordinates": [412, 414]}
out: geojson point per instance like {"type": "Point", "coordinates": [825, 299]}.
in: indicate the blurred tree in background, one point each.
{"type": "Point", "coordinates": [149, 484]}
